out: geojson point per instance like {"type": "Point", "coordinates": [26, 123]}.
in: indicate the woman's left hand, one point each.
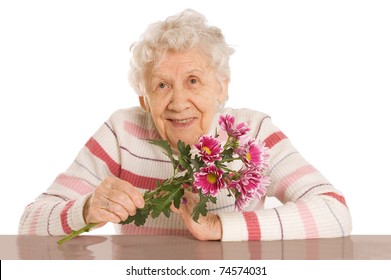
{"type": "Point", "coordinates": [206, 228]}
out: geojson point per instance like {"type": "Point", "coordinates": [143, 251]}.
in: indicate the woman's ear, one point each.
{"type": "Point", "coordinates": [223, 96]}
{"type": "Point", "coordinates": [144, 103]}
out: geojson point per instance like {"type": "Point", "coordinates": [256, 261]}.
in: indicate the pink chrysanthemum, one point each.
{"type": "Point", "coordinates": [209, 179]}
{"type": "Point", "coordinates": [250, 184]}
{"type": "Point", "coordinates": [254, 155]}
{"type": "Point", "coordinates": [241, 203]}
{"type": "Point", "coordinates": [209, 148]}
{"type": "Point", "coordinates": [227, 124]}
{"type": "Point", "coordinates": [248, 181]}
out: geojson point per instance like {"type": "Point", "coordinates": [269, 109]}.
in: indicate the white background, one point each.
{"type": "Point", "coordinates": [321, 69]}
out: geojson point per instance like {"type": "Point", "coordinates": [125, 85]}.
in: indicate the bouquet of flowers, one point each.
{"type": "Point", "coordinates": [205, 169]}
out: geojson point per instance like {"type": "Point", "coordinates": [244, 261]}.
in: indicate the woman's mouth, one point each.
{"type": "Point", "coordinates": [182, 122]}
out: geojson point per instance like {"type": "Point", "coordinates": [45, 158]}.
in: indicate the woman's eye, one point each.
{"type": "Point", "coordinates": [162, 87]}
{"type": "Point", "coordinates": [193, 81]}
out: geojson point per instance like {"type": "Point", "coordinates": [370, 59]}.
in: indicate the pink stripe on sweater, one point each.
{"type": "Point", "coordinates": [288, 180]}
{"type": "Point", "coordinates": [142, 182]}
{"type": "Point", "coordinates": [253, 227]}
{"type": "Point", "coordinates": [64, 217]}
{"type": "Point", "coordinates": [97, 150]}
{"type": "Point", "coordinates": [310, 227]}
{"type": "Point", "coordinates": [140, 132]}
{"type": "Point", "coordinates": [274, 139]}
{"type": "Point", "coordinates": [75, 184]}
{"type": "Point", "coordinates": [338, 197]}
{"type": "Point", "coordinates": [130, 229]}
{"type": "Point", "coordinates": [138, 181]}
{"type": "Point", "coordinates": [34, 222]}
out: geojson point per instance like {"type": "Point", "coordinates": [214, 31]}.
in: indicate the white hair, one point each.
{"type": "Point", "coordinates": [184, 31]}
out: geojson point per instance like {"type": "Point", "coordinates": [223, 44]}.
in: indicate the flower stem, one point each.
{"type": "Point", "coordinates": [75, 233]}
{"type": "Point", "coordinates": [228, 143]}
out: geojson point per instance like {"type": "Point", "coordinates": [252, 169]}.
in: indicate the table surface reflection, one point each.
{"type": "Point", "coordinates": [162, 247]}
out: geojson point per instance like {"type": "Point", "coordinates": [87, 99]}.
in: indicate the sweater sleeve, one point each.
{"type": "Point", "coordinates": [312, 207]}
{"type": "Point", "coordinates": [59, 210]}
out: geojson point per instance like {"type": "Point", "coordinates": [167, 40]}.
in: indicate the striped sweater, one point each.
{"type": "Point", "coordinates": [311, 206]}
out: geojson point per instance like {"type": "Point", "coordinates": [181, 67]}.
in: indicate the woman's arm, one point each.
{"type": "Point", "coordinates": [312, 207]}
{"type": "Point", "coordinates": [59, 210]}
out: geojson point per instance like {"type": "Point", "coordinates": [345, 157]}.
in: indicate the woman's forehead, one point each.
{"type": "Point", "coordinates": [186, 62]}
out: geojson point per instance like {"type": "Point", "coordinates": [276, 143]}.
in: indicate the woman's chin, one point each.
{"type": "Point", "coordinates": [187, 139]}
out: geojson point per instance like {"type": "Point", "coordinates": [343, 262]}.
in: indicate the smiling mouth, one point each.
{"type": "Point", "coordinates": [182, 122]}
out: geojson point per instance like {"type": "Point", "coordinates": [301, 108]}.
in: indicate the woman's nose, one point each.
{"type": "Point", "coordinates": [179, 100]}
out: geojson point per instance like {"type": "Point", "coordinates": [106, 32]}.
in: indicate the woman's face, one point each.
{"type": "Point", "coordinates": [182, 96]}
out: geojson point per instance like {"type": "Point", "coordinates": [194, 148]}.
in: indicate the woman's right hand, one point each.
{"type": "Point", "coordinates": [112, 201]}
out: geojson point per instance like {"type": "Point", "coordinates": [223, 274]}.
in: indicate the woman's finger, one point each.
{"type": "Point", "coordinates": [125, 187]}
{"type": "Point", "coordinates": [121, 203]}
{"type": "Point", "coordinates": [117, 209]}
{"type": "Point", "coordinates": [105, 215]}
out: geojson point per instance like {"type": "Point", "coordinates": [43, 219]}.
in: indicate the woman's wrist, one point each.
{"type": "Point", "coordinates": [86, 209]}
{"type": "Point", "coordinates": [218, 229]}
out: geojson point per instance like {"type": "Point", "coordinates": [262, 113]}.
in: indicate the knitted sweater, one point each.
{"type": "Point", "coordinates": [311, 206]}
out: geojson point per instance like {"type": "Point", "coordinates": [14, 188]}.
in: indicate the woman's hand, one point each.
{"type": "Point", "coordinates": [112, 201]}
{"type": "Point", "coordinates": [207, 227]}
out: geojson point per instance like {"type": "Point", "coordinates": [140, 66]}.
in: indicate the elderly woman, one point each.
{"type": "Point", "coordinates": [180, 70]}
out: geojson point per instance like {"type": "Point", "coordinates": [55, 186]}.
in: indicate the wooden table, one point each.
{"type": "Point", "coordinates": [120, 247]}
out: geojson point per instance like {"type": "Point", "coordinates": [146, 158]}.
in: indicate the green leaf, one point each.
{"type": "Point", "coordinates": [200, 207]}
{"type": "Point", "coordinates": [139, 218]}
{"type": "Point", "coordinates": [167, 149]}
{"type": "Point", "coordinates": [227, 154]}
{"type": "Point", "coordinates": [163, 201]}
{"type": "Point", "coordinates": [178, 198]}
{"type": "Point", "coordinates": [212, 199]}
{"type": "Point", "coordinates": [183, 162]}
{"type": "Point", "coordinates": [167, 213]}
{"type": "Point", "coordinates": [183, 148]}
{"type": "Point", "coordinates": [184, 154]}
{"type": "Point", "coordinates": [197, 163]}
